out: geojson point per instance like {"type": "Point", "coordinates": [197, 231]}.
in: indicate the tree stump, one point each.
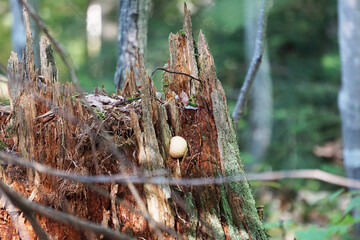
{"type": "Point", "coordinates": [102, 134]}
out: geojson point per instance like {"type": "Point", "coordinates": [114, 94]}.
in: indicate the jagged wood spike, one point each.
{"type": "Point", "coordinates": [47, 59]}
{"type": "Point", "coordinates": [29, 49]}
{"type": "Point", "coordinates": [16, 76]}
{"type": "Point", "coordinates": [188, 30]}
{"type": "Point", "coordinates": [157, 202]}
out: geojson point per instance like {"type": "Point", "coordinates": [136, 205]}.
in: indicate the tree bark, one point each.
{"type": "Point", "coordinates": [132, 35]}
{"type": "Point", "coordinates": [54, 126]}
{"type": "Point", "coordinates": [18, 30]}
{"type": "Point", "coordinates": [35, 31]}
{"type": "Point", "coordinates": [349, 97]}
{"type": "Point", "coordinates": [261, 96]}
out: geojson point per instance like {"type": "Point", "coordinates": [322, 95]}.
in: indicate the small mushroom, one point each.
{"type": "Point", "coordinates": [178, 147]}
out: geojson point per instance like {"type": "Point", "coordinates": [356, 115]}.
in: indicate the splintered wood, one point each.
{"type": "Point", "coordinates": [130, 132]}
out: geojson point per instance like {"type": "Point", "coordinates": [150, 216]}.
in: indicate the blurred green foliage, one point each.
{"type": "Point", "coordinates": [340, 222]}
{"type": "Point", "coordinates": [306, 77]}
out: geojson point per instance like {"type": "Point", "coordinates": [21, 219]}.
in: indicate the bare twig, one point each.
{"type": "Point", "coordinates": [40, 233]}
{"type": "Point", "coordinates": [59, 48]}
{"type": "Point", "coordinates": [254, 65]}
{"type": "Point", "coordinates": [264, 176]}
{"type": "Point", "coordinates": [181, 73]}
{"type": "Point", "coordinates": [122, 102]}
{"type": "Point", "coordinates": [30, 207]}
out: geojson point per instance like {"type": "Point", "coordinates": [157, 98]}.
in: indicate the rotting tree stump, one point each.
{"type": "Point", "coordinates": [101, 134]}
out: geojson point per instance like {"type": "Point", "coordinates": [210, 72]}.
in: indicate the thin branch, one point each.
{"type": "Point", "coordinates": [254, 65]}
{"type": "Point", "coordinates": [40, 233]}
{"type": "Point", "coordinates": [145, 178]}
{"type": "Point", "coordinates": [59, 48]}
{"type": "Point", "coordinates": [181, 73]}
{"type": "Point", "coordinates": [30, 207]}
{"type": "Point", "coordinates": [123, 102]}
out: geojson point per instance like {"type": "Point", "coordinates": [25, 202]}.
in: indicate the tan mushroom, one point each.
{"type": "Point", "coordinates": [178, 147]}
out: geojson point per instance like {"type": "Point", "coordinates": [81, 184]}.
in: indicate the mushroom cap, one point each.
{"type": "Point", "coordinates": [178, 147]}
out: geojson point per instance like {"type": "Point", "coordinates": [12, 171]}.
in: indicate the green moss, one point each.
{"type": "Point", "coordinates": [196, 51]}
{"type": "Point", "coordinates": [230, 155]}
{"type": "Point", "coordinates": [101, 115]}
{"type": "Point", "coordinates": [193, 101]}
{"type": "Point", "coordinates": [191, 228]}
{"type": "Point", "coordinates": [189, 200]}
{"type": "Point", "coordinates": [182, 33]}
{"type": "Point", "coordinates": [227, 214]}
{"type": "Point", "coordinates": [2, 145]}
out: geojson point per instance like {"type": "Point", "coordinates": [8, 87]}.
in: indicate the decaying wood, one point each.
{"type": "Point", "coordinates": [102, 134]}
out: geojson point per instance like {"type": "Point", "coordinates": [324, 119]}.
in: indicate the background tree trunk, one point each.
{"type": "Point", "coordinates": [35, 32]}
{"type": "Point", "coordinates": [349, 95]}
{"type": "Point", "coordinates": [132, 35]}
{"type": "Point", "coordinates": [53, 126]}
{"type": "Point", "coordinates": [18, 30]}
{"type": "Point", "coordinates": [261, 101]}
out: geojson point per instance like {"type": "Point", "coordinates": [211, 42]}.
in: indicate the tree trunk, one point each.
{"type": "Point", "coordinates": [349, 97]}
{"type": "Point", "coordinates": [132, 35]}
{"type": "Point", "coordinates": [261, 95]}
{"type": "Point", "coordinates": [52, 125]}
{"type": "Point", "coordinates": [35, 31]}
{"type": "Point", "coordinates": [18, 30]}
